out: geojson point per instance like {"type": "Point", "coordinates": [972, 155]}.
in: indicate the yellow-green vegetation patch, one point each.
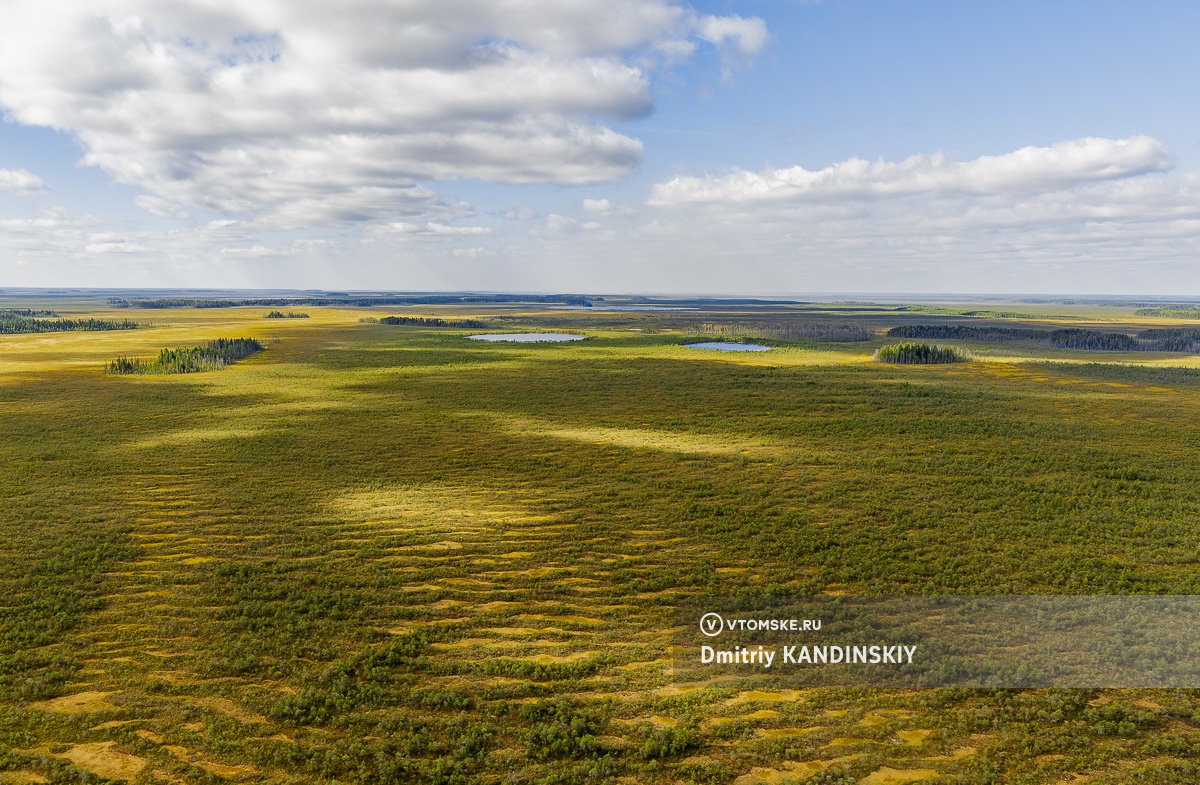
{"type": "Point", "coordinates": [78, 703]}
{"type": "Point", "coordinates": [890, 776]}
{"type": "Point", "coordinates": [914, 737]}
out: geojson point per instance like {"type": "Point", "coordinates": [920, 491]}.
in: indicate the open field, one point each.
{"type": "Point", "coordinates": [386, 554]}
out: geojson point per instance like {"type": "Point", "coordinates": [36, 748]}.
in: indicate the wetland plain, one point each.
{"type": "Point", "coordinates": [380, 553]}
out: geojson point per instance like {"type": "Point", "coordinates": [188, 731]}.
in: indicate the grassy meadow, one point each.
{"type": "Point", "coordinates": [379, 553]}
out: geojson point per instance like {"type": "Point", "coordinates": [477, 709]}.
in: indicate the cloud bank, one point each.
{"type": "Point", "coordinates": [1026, 171]}
{"type": "Point", "coordinates": [314, 112]}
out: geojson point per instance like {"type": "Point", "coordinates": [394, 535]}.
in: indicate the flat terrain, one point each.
{"type": "Point", "coordinates": [387, 554]}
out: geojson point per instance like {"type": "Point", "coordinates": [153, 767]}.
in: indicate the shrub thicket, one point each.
{"type": "Point", "coordinates": [288, 315]}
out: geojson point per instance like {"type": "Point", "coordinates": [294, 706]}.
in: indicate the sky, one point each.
{"type": "Point", "coordinates": [765, 147]}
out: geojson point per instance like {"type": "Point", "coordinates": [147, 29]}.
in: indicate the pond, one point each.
{"type": "Point", "coordinates": [528, 337]}
{"type": "Point", "coordinates": [725, 346]}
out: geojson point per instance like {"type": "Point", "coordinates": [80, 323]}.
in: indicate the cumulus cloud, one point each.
{"type": "Point", "coordinates": [309, 111]}
{"type": "Point", "coordinates": [20, 181]}
{"type": "Point", "coordinates": [1027, 170]}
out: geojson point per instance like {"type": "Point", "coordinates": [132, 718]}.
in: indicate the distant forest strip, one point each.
{"type": "Point", "coordinates": [802, 331]}
{"type": "Point", "coordinates": [212, 356]}
{"type": "Point", "coordinates": [1122, 372]}
{"type": "Point", "coordinates": [428, 321]}
{"type": "Point", "coordinates": [920, 354]}
{"type": "Point", "coordinates": [1169, 313]}
{"type": "Point", "coordinates": [26, 321]}
{"type": "Point", "coordinates": [433, 299]}
{"type": "Point", "coordinates": [1167, 339]}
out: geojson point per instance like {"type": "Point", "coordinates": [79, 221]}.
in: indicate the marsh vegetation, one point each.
{"type": "Point", "coordinates": [396, 556]}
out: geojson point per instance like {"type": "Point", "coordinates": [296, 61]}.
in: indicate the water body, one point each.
{"type": "Point", "coordinates": [724, 346]}
{"type": "Point", "coordinates": [527, 337]}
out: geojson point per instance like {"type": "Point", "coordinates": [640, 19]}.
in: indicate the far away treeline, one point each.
{"type": "Point", "coordinates": [1164, 339]}
{"type": "Point", "coordinates": [429, 321]}
{"type": "Point", "coordinates": [792, 331]}
{"type": "Point", "coordinates": [212, 356]}
{"type": "Point", "coordinates": [23, 320]}
{"type": "Point", "coordinates": [272, 302]}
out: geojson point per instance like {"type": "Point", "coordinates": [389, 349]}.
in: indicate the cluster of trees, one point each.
{"type": "Point", "coordinates": [288, 315]}
{"type": "Point", "coordinates": [212, 356]}
{"type": "Point", "coordinates": [427, 321]}
{"type": "Point", "coordinates": [798, 331]}
{"type": "Point", "coordinates": [920, 354]}
{"type": "Point", "coordinates": [1173, 339]}
{"type": "Point", "coordinates": [26, 321]}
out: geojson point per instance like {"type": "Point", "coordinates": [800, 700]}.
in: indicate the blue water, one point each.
{"type": "Point", "coordinates": [724, 346]}
{"type": "Point", "coordinates": [528, 337]}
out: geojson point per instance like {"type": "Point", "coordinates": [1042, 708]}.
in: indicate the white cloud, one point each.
{"type": "Point", "coordinates": [20, 181]}
{"type": "Point", "coordinates": [746, 36]}
{"type": "Point", "coordinates": [430, 229]}
{"type": "Point", "coordinates": [522, 214]}
{"type": "Point", "coordinates": [1028, 170]}
{"type": "Point", "coordinates": [565, 223]}
{"type": "Point", "coordinates": [252, 251]}
{"type": "Point", "coordinates": [161, 208]}
{"type": "Point", "coordinates": [304, 112]}
{"type": "Point", "coordinates": [115, 246]}
{"type": "Point", "coordinates": [604, 207]}
{"type": "Point", "coordinates": [478, 252]}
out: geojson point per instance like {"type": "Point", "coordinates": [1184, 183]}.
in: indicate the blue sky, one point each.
{"type": "Point", "coordinates": [771, 147]}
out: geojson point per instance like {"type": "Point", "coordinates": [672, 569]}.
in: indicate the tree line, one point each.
{"type": "Point", "coordinates": [1169, 313]}
{"type": "Point", "coordinates": [24, 321]}
{"type": "Point", "coordinates": [212, 356]}
{"type": "Point", "coordinates": [1166, 339]}
{"type": "Point", "coordinates": [269, 302]}
{"type": "Point", "coordinates": [288, 315]}
{"type": "Point", "coordinates": [429, 321]}
{"type": "Point", "coordinates": [799, 331]}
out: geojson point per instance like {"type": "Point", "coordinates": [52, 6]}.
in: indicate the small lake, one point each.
{"type": "Point", "coordinates": [528, 337]}
{"type": "Point", "coordinates": [725, 346]}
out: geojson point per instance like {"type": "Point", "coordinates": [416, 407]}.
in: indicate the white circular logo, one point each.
{"type": "Point", "coordinates": [711, 624]}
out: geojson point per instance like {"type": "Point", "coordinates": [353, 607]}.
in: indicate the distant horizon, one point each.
{"type": "Point", "coordinates": [1031, 298]}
